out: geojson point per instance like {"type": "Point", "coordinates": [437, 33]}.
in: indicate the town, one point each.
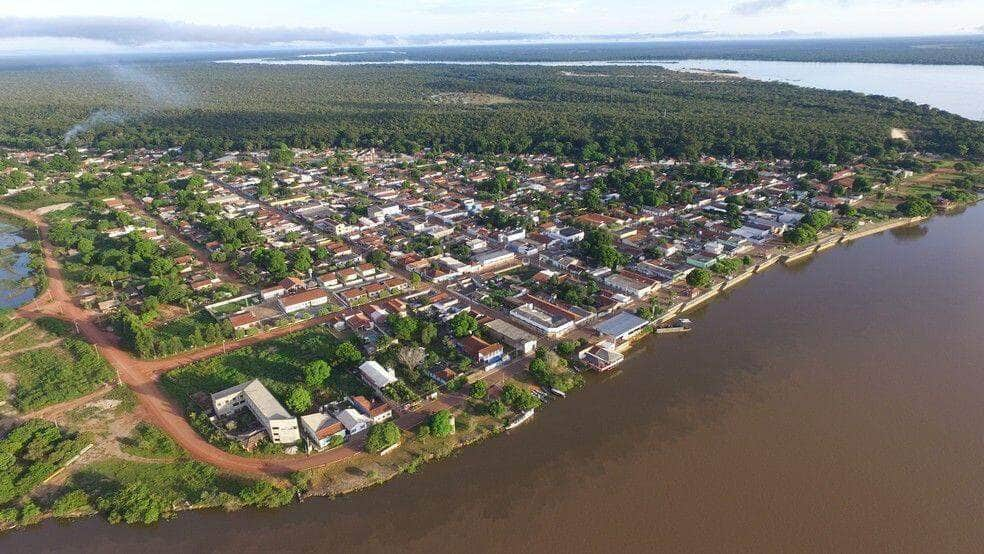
{"type": "Point", "coordinates": [326, 302]}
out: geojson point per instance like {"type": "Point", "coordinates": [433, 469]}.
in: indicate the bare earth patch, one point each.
{"type": "Point", "coordinates": [470, 98]}
{"type": "Point", "coordinates": [898, 134]}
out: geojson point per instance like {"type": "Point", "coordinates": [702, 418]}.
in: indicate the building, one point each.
{"type": "Point", "coordinates": [377, 376]}
{"type": "Point", "coordinates": [302, 300]}
{"type": "Point", "coordinates": [375, 410]}
{"type": "Point", "coordinates": [243, 321]}
{"type": "Point", "coordinates": [512, 335]}
{"type": "Point", "coordinates": [481, 351]}
{"type": "Point", "coordinates": [322, 430]}
{"type": "Point", "coordinates": [548, 323]}
{"type": "Point", "coordinates": [601, 357]}
{"type": "Point", "coordinates": [631, 283]}
{"type": "Point", "coordinates": [488, 260]}
{"type": "Point", "coordinates": [279, 424]}
{"type": "Point", "coordinates": [353, 421]}
{"type": "Point", "coordinates": [621, 327]}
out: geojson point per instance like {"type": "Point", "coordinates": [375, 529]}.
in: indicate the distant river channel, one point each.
{"type": "Point", "coordinates": [955, 88]}
{"type": "Point", "coordinates": [833, 406]}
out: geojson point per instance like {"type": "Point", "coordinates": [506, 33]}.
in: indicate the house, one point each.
{"type": "Point", "coordinates": [601, 356]}
{"type": "Point", "coordinates": [377, 376]}
{"type": "Point", "coordinates": [481, 351]}
{"type": "Point", "coordinates": [375, 410]}
{"type": "Point", "coordinates": [353, 421]}
{"type": "Point", "coordinates": [279, 424]}
{"type": "Point", "coordinates": [322, 430]}
{"type": "Point", "coordinates": [631, 283]}
{"type": "Point", "coordinates": [243, 321]}
{"type": "Point", "coordinates": [512, 335]}
{"type": "Point", "coordinates": [621, 327]}
{"type": "Point", "coordinates": [275, 291]}
{"type": "Point", "coordinates": [302, 300]}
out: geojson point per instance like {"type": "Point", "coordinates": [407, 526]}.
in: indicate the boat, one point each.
{"type": "Point", "coordinates": [520, 420]}
{"type": "Point", "coordinates": [558, 392]}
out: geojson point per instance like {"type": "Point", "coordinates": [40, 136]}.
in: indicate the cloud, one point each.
{"type": "Point", "coordinates": [756, 7]}
{"type": "Point", "coordinates": [138, 31]}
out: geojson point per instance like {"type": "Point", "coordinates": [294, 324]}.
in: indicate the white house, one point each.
{"type": "Point", "coordinates": [353, 420]}
{"type": "Point", "coordinates": [322, 429]}
{"type": "Point", "coordinates": [280, 425]}
{"type": "Point", "coordinates": [376, 375]}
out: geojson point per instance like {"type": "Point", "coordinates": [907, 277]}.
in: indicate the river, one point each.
{"type": "Point", "coordinates": [831, 406]}
{"type": "Point", "coordinates": [954, 88]}
{"type": "Point", "coordinates": [13, 267]}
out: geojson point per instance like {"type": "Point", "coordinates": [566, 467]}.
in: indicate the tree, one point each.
{"type": "Point", "coordinates": [266, 495]}
{"type": "Point", "coordinates": [299, 400]}
{"type": "Point", "coordinates": [441, 424]}
{"type": "Point", "coordinates": [316, 373]}
{"type": "Point", "coordinates": [303, 261]}
{"type": "Point", "coordinates": [282, 155]}
{"type": "Point", "coordinates": [496, 409]}
{"type": "Point", "coordinates": [800, 235]}
{"type": "Point", "coordinates": [519, 398]}
{"type": "Point", "coordinates": [699, 278]}
{"type": "Point", "coordinates": [915, 207]}
{"type": "Point", "coordinates": [598, 245]}
{"type": "Point", "coordinates": [861, 184]}
{"type": "Point", "coordinates": [411, 357]}
{"type": "Point", "coordinates": [428, 332]}
{"type": "Point", "coordinates": [479, 390]}
{"type": "Point", "coordinates": [404, 328]}
{"type": "Point", "coordinates": [382, 436]}
{"type": "Point", "coordinates": [348, 354]}
{"type": "Point", "coordinates": [463, 324]}
{"type": "Point", "coordinates": [818, 219]}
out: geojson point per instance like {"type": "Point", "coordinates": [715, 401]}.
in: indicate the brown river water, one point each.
{"type": "Point", "coordinates": [835, 406]}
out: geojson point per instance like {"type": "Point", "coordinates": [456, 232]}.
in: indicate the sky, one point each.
{"type": "Point", "coordinates": [126, 25]}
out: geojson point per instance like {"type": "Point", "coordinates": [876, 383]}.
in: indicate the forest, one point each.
{"type": "Point", "coordinates": [589, 114]}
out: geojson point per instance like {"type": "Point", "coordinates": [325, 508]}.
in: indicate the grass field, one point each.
{"type": "Point", "coordinates": [57, 374]}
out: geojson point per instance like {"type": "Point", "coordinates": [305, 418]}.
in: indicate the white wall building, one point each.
{"type": "Point", "coordinates": [280, 425]}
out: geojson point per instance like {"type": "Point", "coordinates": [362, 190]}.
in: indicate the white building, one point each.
{"type": "Point", "coordinates": [377, 376]}
{"type": "Point", "coordinates": [549, 324]}
{"type": "Point", "coordinates": [302, 300]}
{"type": "Point", "coordinates": [280, 425]}
{"type": "Point", "coordinates": [353, 420]}
{"type": "Point", "coordinates": [322, 429]}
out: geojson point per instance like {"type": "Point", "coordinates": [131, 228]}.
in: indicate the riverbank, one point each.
{"type": "Point", "coordinates": [366, 471]}
{"type": "Point", "coordinates": [715, 437]}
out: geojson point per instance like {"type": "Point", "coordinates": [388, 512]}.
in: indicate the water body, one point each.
{"type": "Point", "coordinates": [954, 88]}
{"type": "Point", "coordinates": [832, 406]}
{"type": "Point", "coordinates": [13, 268]}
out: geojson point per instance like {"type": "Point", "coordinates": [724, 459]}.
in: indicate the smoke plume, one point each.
{"type": "Point", "coordinates": [98, 118]}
